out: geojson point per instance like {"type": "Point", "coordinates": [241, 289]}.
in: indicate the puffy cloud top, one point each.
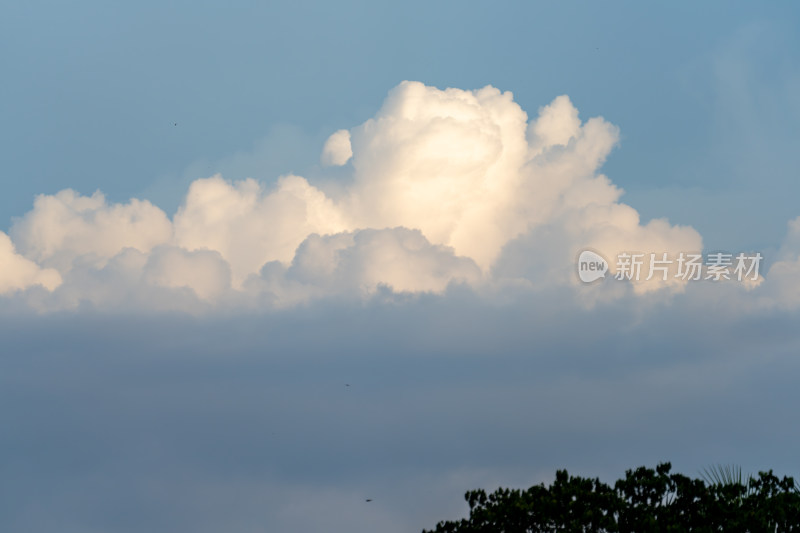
{"type": "Point", "coordinates": [65, 226]}
{"type": "Point", "coordinates": [446, 186]}
{"type": "Point", "coordinates": [19, 272]}
{"type": "Point", "coordinates": [337, 150]}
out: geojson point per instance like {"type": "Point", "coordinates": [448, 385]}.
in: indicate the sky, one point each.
{"type": "Point", "coordinates": [262, 263]}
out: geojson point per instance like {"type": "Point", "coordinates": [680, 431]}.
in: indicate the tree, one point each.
{"type": "Point", "coordinates": [645, 500]}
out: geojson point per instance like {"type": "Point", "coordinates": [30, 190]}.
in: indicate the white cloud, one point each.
{"type": "Point", "coordinates": [446, 186]}
{"type": "Point", "coordinates": [470, 171]}
{"type": "Point", "coordinates": [249, 226]}
{"type": "Point", "coordinates": [556, 125]}
{"type": "Point", "coordinates": [445, 162]}
{"type": "Point", "coordinates": [65, 226]}
{"type": "Point", "coordinates": [18, 272]}
{"type": "Point", "coordinates": [337, 150]}
{"type": "Point", "coordinates": [359, 263]}
{"type": "Point", "coordinates": [400, 258]}
{"type": "Point", "coordinates": [205, 272]}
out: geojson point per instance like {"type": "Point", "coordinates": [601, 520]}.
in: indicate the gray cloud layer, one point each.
{"type": "Point", "coordinates": [246, 423]}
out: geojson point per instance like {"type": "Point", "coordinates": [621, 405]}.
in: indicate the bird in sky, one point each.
{"type": "Point", "coordinates": [369, 500]}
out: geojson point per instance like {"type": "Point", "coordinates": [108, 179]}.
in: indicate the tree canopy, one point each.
{"type": "Point", "coordinates": [645, 500]}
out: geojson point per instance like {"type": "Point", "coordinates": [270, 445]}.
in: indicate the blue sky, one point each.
{"type": "Point", "coordinates": [177, 351]}
{"type": "Point", "coordinates": [92, 90]}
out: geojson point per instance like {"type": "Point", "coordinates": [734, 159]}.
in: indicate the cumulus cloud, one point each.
{"type": "Point", "coordinates": [783, 289]}
{"type": "Point", "coordinates": [65, 226]}
{"type": "Point", "coordinates": [250, 226]}
{"type": "Point", "coordinates": [446, 186]}
{"type": "Point", "coordinates": [18, 272]}
{"type": "Point", "coordinates": [360, 262]}
{"type": "Point", "coordinates": [337, 150]}
{"type": "Point", "coordinates": [471, 171]}
{"type": "Point", "coordinates": [203, 271]}
{"type": "Point", "coordinates": [446, 162]}
{"type": "Point", "coordinates": [398, 257]}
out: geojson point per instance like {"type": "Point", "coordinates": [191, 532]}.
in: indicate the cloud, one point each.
{"type": "Point", "coordinates": [65, 226]}
{"type": "Point", "coordinates": [250, 226]}
{"type": "Point", "coordinates": [446, 187]}
{"type": "Point", "coordinates": [337, 150]}
{"type": "Point", "coordinates": [19, 272]}
{"type": "Point", "coordinates": [471, 171]}
{"type": "Point", "coordinates": [204, 271]}
{"type": "Point", "coordinates": [783, 287]}
{"type": "Point", "coordinates": [210, 421]}
{"type": "Point", "coordinates": [445, 162]}
{"type": "Point", "coordinates": [359, 263]}
{"type": "Point", "coordinates": [439, 280]}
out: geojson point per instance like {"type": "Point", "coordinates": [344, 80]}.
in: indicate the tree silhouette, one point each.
{"type": "Point", "coordinates": [645, 500]}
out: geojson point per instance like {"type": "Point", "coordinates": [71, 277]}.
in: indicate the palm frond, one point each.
{"type": "Point", "coordinates": [722, 475]}
{"type": "Point", "coordinates": [726, 475]}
